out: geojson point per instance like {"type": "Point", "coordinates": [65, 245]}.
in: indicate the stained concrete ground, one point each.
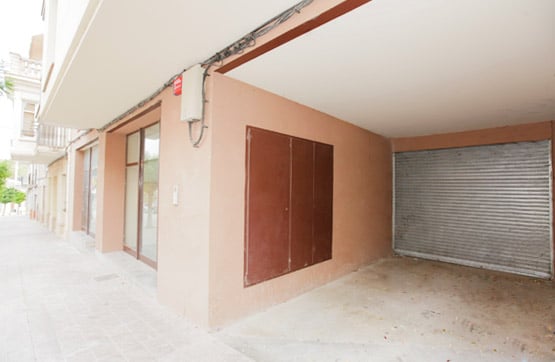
{"type": "Point", "coordinates": [60, 301]}
{"type": "Point", "coordinates": [403, 309]}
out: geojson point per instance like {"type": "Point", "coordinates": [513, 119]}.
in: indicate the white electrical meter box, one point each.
{"type": "Point", "coordinates": [192, 97]}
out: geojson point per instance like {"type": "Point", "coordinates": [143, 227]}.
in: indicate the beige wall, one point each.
{"type": "Point", "coordinates": [56, 200]}
{"type": "Point", "coordinates": [35, 50]}
{"type": "Point", "coordinates": [362, 196]}
{"type": "Point", "coordinates": [519, 133]}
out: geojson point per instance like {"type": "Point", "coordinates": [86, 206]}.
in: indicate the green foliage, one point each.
{"type": "Point", "coordinates": [6, 86]}
{"type": "Point", "coordinates": [20, 196]}
{"type": "Point", "coordinates": [12, 195]}
{"type": "Point", "coordinates": [4, 173]}
{"type": "Point", "coordinates": [6, 195]}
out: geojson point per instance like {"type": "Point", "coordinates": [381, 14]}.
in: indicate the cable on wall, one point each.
{"type": "Point", "coordinates": [139, 105]}
{"type": "Point", "coordinates": [249, 40]}
{"type": "Point", "coordinates": [239, 47]}
{"type": "Point", "coordinates": [196, 142]}
{"type": "Point", "coordinates": [235, 48]}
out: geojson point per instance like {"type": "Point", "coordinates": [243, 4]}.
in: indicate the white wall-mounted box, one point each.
{"type": "Point", "coordinates": [192, 94]}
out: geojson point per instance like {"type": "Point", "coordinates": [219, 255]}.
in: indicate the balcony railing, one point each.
{"type": "Point", "coordinates": [19, 66]}
{"type": "Point", "coordinates": [53, 136]}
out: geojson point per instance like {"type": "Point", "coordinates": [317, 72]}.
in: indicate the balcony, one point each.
{"type": "Point", "coordinates": [23, 67]}
{"type": "Point", "coordinates": [47, 145]}
{"type": "Point", "coordinates": [25, 73]}
{"type": "Point", "coordinates": [53, 137]}
{"type": "Point", "coordinates": [32, 142]}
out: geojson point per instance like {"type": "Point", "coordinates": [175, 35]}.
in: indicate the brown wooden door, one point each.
{"type": "Point", "coordinates": [289, 202]}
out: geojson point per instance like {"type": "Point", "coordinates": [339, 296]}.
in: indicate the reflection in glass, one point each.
{"type": "Point", "coordinates": [92, 190]}
{"type": "Point", "coordinates": [86, 187]}
{"type": "Point", "coordinates": [133, 147]}
{"type": "Point", "coordinates": [149, 227]}
{"type": "Point", "coordinates": [90, 176]}
{"type": "Point", "coordinates": [152, 143]}
{"type": "Point", "coordinates": [131, 203]}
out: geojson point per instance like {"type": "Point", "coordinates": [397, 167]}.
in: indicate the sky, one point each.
{"type": "Point", "coordinates": [19, 20]}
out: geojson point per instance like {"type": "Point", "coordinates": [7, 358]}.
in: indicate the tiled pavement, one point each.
{"type": "Point", "coordinates": [59, 302]}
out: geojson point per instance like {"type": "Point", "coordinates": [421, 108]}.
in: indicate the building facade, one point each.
{"type": "Point", "coordinates": [258, 200]}
{"type": "Point", "coordinates": [40, 146]}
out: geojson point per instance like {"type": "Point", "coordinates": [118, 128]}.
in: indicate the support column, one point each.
{"type": "Point", "coordinates": [76, 174]}
{"type": "Point", "coordinates": [110, 192]}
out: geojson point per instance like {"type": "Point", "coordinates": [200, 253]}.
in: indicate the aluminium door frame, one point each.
{"type": "Point", "coordinates": [138, 242]}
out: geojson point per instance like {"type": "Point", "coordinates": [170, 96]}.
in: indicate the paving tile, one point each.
{"type": "Point", "coordinates": [139, 354]}
{"type": "Point", "coordinates": [160, 349]}
{"type": "Point", "coordinates": [126, 344]}
{"type": "Point", "coordinates": [60, 302]}
{"type": "Point", "coordinates": [106, 350]}
{"type": "Point", "coordinates": [72, 344]}
{"type": "Point", "coordinates": [49, 356]}
{"type": "Point", "coordinates": [81, 356]}
{"type": "Point", "coordinates": [21, 356]}
{"type": "Point", "coordinates": [209, 350]}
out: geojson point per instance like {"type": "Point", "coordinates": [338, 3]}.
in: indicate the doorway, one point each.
{"type": "Point", "coordinates": [90, 175]}
{"type": "Point", "coordinates": [141, 194]}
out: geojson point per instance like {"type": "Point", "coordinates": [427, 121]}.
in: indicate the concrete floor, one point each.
{"type": "Point", "coordinates": [404, 309]}
{"type": "Point", "coordinates": [62, 302]}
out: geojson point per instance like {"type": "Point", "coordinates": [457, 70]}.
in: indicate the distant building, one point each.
{"type": "Point", "coordinates": [41, 146]}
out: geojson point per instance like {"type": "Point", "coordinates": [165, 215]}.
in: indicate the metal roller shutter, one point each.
{"type": "Point", "coordinates": [485, 206]}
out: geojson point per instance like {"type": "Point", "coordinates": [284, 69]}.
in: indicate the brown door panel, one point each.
{"type": "Point", "coordinates": [323, 201]}
{"type": "Point", "coordinates": [302, 203]}
{"type": "Point", "coordinates": [268, 173]}
{"type": "Point", "coordinates": [289, 204]}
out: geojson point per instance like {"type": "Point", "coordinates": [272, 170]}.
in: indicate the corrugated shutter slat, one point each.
{"type": "Point", "coordinates": [485, 206]}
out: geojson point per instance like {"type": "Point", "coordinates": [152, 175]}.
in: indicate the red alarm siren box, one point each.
{"type": "Point", "coordinates": [177, 85]}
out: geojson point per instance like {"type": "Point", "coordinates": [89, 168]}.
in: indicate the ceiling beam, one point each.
{"type": "Point", "coordinates": [323, 18]}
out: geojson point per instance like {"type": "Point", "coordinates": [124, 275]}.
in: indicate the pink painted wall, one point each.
{"type": "Point", "coordinates": [183, 232]}
{"type": "Point", "coordinates": [111, 181]}
{"type": "Point", "coordinates": [110, 192]}
{"type": "Point", "coordinates": [201, 239]}
{"type": "Point", "coordinates": [362, 196]}
{"type": "Point", "coordinates": [518, 133]}
{"type": "Point", "coordinates": [183, 236]}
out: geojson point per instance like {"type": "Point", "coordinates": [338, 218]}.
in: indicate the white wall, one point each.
{"type": "Point", "coordinates": [69, 15]}
{"type": "Point", "coordinates": [62, 18]}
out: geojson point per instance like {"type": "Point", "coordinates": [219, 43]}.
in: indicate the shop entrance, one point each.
{"type": "Point", "coordinates": [141, 194]}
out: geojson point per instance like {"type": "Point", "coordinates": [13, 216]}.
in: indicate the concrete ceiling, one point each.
{"type": "Point", "coordinates": [131, 47]}
{"type": "Point", "coordinates": [407, 67]}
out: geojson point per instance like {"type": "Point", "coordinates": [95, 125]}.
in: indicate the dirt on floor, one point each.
{"type": "Point", "coordinates": [404, 309]}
